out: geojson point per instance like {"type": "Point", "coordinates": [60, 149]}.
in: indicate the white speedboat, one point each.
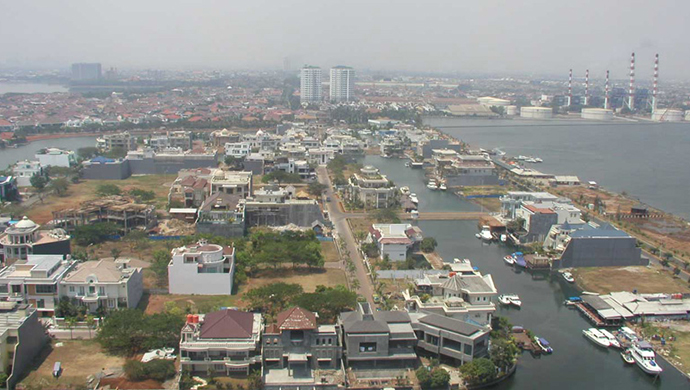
{"type": "Point", "coordinates": [442, 186]}
{"type": "Point", "coordinates": [414, 214]}
{"type": "Point", "coordinates": [405, 190]}
{"type": "Point", "coordinates": [510, 299]}
{"type": "Point", "coordinates": [509, 260]}
{"type": "Point", "coordinates": [596, 337]}
{"type": "Point", "coordinates": [612, 339]}
{"type": "Point", "coordinates": [407, 164]}
{"type": "Point", "coordinates": [413, 198]}
{"type": "Point", "coordinates": [485, 234]}
{"type": "Point", "coordinates": [432, 185]}
{"type": "Point", "coordinates": [537, 159]}
{"type": "Point", "coordinates": [530, 160]}
{"type": "Point", "coordinates": [568, 277]}
{"type": "Point", "coordinates": [643, 354]}
{"type": "Point", "coordinates": [521, 157]}
{"type": "Point", "coordinates": [627, 357]}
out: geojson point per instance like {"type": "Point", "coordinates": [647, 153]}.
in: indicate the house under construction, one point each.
{"type": "Point", "coordinates": [120, 210]}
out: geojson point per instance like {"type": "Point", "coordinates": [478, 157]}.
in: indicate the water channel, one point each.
{"type": "Point", "coordinates": [576, 363]}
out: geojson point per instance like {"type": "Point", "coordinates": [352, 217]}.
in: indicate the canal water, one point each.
{"type": "Point", "coordinates": [9, 156]}
{"type": "Point", "coordinates": [576, 363]}
{"type": "Point", "coordinates": [647, 160]}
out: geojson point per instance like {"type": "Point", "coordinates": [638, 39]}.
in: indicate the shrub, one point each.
{"type": "Point", "coordinates": [157, 369]}
{"type": "Point", "coordinates": [108, 190]}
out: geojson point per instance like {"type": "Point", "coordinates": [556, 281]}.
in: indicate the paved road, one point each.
{"type": "Point", "coordinates": [342, 228]}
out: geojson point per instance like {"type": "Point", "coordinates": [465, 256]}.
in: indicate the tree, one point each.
{"type": "Point", "coordinates": [327, 301]}
{"type": "Point", "coordinates": [428, 244]}
{"type": "Point", "coordinates": [108, 190]}
{"type": "Point", "coordinates": [59, 186]}
{"type": "Point", "coordinates": [159, 266]}
{"type": "Point", "coordinates": [87, 152]}
{"type": "Point", "coordinates": [281, 177]}
{"type": "Point", "coordinates": [134, 237]}
{"type": "Point", "coordinates": [157, 369]}
{"type": "Point", "coordinates": [130, 331]}
{"type": "Point", "coordinates": [71, 322]}
{"type": "Point", "coordinates": [316, 189]}
{"type": "Point", "coordinates": [142, 195]}
{"type": "Point", "coordinates": [503, 353]}
{"type": "Point", "coordinates": [387, 215]}
{"type": "Point", "coordinates": [439, 378]}
{"type": "Point", "coordinates": [116, 152]}
{"type": "Point", "coordinates": [115, 252]}
{"type": "Point", "coordinates": [478, 371]}
{"type": "Point", "coordinates": [93, 234]}
{"type": "Point", "coordinates": [515, 225]}
{"type": "Point", "coordinates": [272, 297]}
{"type": "Point", "coordinates": [424, 377]}
{"type": "Point", "coordinates": [39, 182]}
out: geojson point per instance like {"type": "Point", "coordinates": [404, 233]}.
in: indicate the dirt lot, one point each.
{"type": "Point", "coordinates": [79, 359]}
{"type": "Point", "coordinates": [86, 190]}
{"type": "Point", "coordinates": [307, 278]}
{"type": "Point", "coordinates": [360, 225]}
{"type": "Point", "coordinates": [645, 280]}
{"type": "Point", "coordinates": [329, 251]}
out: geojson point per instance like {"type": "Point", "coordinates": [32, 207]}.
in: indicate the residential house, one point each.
{"type": "Point", "coordinates": [222, 137]}
{"type": "Point", "coordinates": [378, 344]}
{"type": "Point", "coordinates": [24, 238]}
{"type": "Point", "coordinates": [231, 182]}
{"type": "Point", "coordinates": [223, 342]}
{"type": "Point", "coordinates": [8, 188]}
{"type": "Point", "coordinates": [35, 281]}
{"type": "Point", "coordinates": [25, 170]}
{"type": "Point", "coordinates": [123, 140]}
{"type": "Point", "coordinates": [511, 202]}
{"type": "Point", "coordinates": [300, 354]}
{"type": "Point", "coordinates": [371, 188]}
{"type": "Point", "coordinates": [54, 157]}
{"type": "Point", "coordinates": [203, 269]}
{"type": "Point", "coordinates": [537, 221]}
{"type": "Point", "coordinates": [469, 170]}
{"type": "Point", "coordinates": [395, 240]}
{"type": "Point", "coordinates": [450, 338]}
{"type": "Point", "coordinates": [467, 297]}
{"type": "Point", "coordinates": [22, 338]}
{"type": "Point", "coordinates": [221, 214]}
{"type": "Point", "coordinates": [273, 206]}
{"type": "Point", "coordinates": [238, 149]}
{"type": "Point", "coordinates": [104, 284]}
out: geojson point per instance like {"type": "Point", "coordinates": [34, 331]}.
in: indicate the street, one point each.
{"type": "Point", "coordinates": [342, 228]}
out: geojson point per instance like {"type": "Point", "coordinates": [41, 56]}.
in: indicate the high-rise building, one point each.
{"type": "Point", "coordinates": [84, 71]}
{"type": "Point", "coordinates": [342, 83]}
{"type": "Point", "coordinates": [310, 84]}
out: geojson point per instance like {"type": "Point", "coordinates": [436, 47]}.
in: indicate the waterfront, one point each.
{"type": "Point", "coordinates": [9, 156]}
{"type": "Point", "coordinates": [643, 159]}
{"type": "Point", "coordinates": [31, 88]}
{"type": "Point", "coordinates": [576, 362]}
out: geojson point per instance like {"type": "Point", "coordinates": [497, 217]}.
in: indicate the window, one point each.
{"type": "Point", "coordinates": [317, 341]}
{"type": "Point", "coordinates": [3, 288]}
{"type": "Point", "coordinates": [71, 288]}
{"type": "Point", "coordinates": [45, 288]}
{"type": "Point", "coordinates": [81, 290]}
{"type": "Point", "coordinates": [40, 303]}
{"type": "Point", "coordinates": [101, 291]}
{"type": "Point", "coordinates": [111, 303]}
{"type": "Point", "coordinates": [367, 347]}
{"type": "Point", "coordinates": [92, 289]}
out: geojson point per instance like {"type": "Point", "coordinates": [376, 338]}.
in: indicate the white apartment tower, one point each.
{"type": "Point", "coordinates": [310, 84]}
{"type": "Point", "coordinates": [342, 84]}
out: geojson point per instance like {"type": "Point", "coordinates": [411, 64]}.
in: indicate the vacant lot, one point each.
{"type": "Point", "coordinates": [86, 190]}
{"type": "Point", "coordinates": [79, 360]}
{"type": "Point", "coordinates": [645, 280]}
{"type": "Point", "coordinates": [305, 277]}
{"type": "Point", "coordinates": [360, 226]}
{"type": "Point", "coordinates": [329, 251]}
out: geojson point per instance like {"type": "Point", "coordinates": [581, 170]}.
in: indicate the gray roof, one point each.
{"type": "Point", "coordinates": [472, 283]}
{"type": "Point", "coordinates": [605, 230]}
{"type": "Point", "coordinates": [450, 324]}
{"type": "Point", "coordinates": [354, 321]}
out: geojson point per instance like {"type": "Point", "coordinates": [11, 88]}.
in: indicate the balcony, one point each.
{"type": "Point", "coordinates": [92, 298]}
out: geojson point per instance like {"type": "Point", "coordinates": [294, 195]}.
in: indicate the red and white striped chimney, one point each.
{"type": "Point", "coordinates": [606, 96]}
{"type": "Point", "coordinates": [631, 91]}
{"type": "Point", "coordinates": [570, 87]}
{"type": "Point", "coordinates": [586, 88]}
{"type": "Point", "coordinates": [656, 82]}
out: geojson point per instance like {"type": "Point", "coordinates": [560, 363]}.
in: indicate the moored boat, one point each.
{"type": "Point", "coordinates": [509, 260]}
{"type": "Point", "coordinates": [413, 198]}
{"type": "Point", "coordinates": [485, 234]}
{"type": "Point", "coordinates": [644, 356]}
{"type": "Point", "coordinates": [627, 357]}
{"type": "Point", "coordinates": [568, 277]}
{"type": "Point", "coordinates": [596, 337]}
{"type": "Point", "coordinates": [612, 339]}
{"type": "Point", "coordinates": [543, 344]}
{"type": "Point", "coordinates": [442, 186]}
{"type": "Point", "coordinates": [432, 185]}
{"type": "Point", "coordinates": [510, 299]}
{"type": "Point", "coordinates": [520, 259]}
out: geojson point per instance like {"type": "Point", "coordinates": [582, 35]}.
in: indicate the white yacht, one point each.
{"type": "Point", "coordinates": [485, 234]}
{"type": "Point", "coordinates": [568, 277]}
{"type": "Point", "coordinates": [442, 186]}
{"type": "Point", "coordinates": [596, 337]}
{"type": "Point", "coordinates": [612, 339]}
{"type": "Point", "coordinates": [509, 260]}
{"type": "Point", "coordinates": [643, 354]}
{"type": "Point", "coordinates": [432, 185]}
{"type": "Point", "coordinates": [510, 299]}
{"type": "Point", "coordinates": [537, 159]}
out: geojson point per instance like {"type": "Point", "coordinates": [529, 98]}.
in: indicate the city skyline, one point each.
{"type": "Point", "coordinates": [445, 37]}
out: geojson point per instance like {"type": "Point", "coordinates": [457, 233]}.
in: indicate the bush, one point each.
{"type": "Point", "coordinates": [142, 195]}
{"type": "Point", "coordinates": [94, 234]}
{"type": "Point", "coordinates": [428, 244]}
{"type": "Point", "coordinates": [130, 331]}
{"type": "Point", "coordinates": [478, 371]}
{"type": "Point", "coordinates": [108, 190]}
{"type": "Point", "coordinates": [158, 370]}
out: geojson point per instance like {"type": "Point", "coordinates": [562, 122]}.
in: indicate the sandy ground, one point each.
{"type": "Point", "coordinates": [643, 279]}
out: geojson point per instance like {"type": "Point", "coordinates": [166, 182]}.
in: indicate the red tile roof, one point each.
{"type": "Point", "coordinates": [227, 324]}
{"type": "Point", "coordinates": [538, 210]}
{"type": "Point", "coordinates": [296, 318]}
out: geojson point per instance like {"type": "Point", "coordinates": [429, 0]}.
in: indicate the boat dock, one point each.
{"type": "Point", "coordinates": [590, 314]}
{"type": "Point", "coordinates": [525, 343]}
{"type": "Point", "coordinates": [537, 262]}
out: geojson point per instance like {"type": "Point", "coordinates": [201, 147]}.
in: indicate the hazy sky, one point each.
{"type": "Point", "coordinates": [502, 36]}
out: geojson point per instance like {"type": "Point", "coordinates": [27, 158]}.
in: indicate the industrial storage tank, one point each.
{"type": "Point", "coordinates": [667, 115]}
{"type": "Point", "coordinates": [600, 114]}
{"type": "Point", "coordinates": [511, 110]}
{"type": "Point", "coordinates": [536, 112]}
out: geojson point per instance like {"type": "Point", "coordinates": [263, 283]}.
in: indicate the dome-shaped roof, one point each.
{"type": "Point", "coordinates": [25, 223]}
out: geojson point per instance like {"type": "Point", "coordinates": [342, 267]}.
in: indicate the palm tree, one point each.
{"type": "Point", "coordinates": [90, 322]}
{"type": "Point", "coordinates": [71, 322]}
